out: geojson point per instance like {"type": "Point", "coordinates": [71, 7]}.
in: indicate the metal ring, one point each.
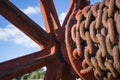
{"type": "Point", "coordinates": [104, 18]}
{"type": "Point", "coordinates": [68, 27]}
{"type": "Point", "coordinates": [111, 8]}
{"type": "Point", "coordinates": [117, 2]}
{"type": "Point", "coordinates": [107, 3]}
{"type": "Point", "coordinates": [88, 19]}
{"type": "Point", "coordinates": [98, 19]}
{"type": "Point", "coordinates": [116, 58]}
{"type": "Point", "coordinates": [82, 30]}
{"type": "Point", "coordinates": [100, 60]}
{"type": "Point", "coordinates": [73, 33]}
{"type": "Point", "coordinates": [84, 64]}
{"type": "Point", "coordinates": [104, 32]}
{"type": "Point", "coordinates": [108, 45]}
{"type": "Point", "coordinates": [95, 8]}
{"type": "Point", "coordinates": [75, 54]}
{"type": "Point", "coordinates": [89, 42]}
{"type": "Point", "coordinates": [111, 30]}
{"type": "Point", "coordinates": [118, 24]}
{"type": "Point", "coordinates": [95, 64]}
{"type": "Point", "coordinates": [109, 76]}
{"type": "Point", "coordinates": [86, 70]}
{"type": "Point", "coordinates": [79, 45]}
{"type": "Point", "coordinates": [85, 10]}
{"type": "Point", "coordinates": [98, 77]}
{"type": "Point", "coordinates": [110, 67]}
{"type": "Point", "coordinates": [119, 43]}
{"type": "Point", "coordinates": [102, 4]}
{"type": "Point", "coordinates": [115, 15]}
{"type": "Point", "coordinates": [93, 32]}
{"type": "Point", "coordinates": [102, 44]}
{"type": "Point", "coordinates": [78, 22]}
{"type": "Point", "coordinates": [104, 9]}
{"type": "Point", "coordinates": [87, 56]}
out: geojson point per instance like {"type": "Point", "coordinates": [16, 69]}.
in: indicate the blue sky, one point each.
{"type": "Point", "coordinates": [14, 43]}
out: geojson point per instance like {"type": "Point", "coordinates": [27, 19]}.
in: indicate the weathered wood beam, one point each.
{"type": "Point", "coordinates": [24, 23]}
{"type": "Point", "coordinates": [19, 66]}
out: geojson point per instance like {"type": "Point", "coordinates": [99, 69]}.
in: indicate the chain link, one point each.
{"type": "Point", "coordinates": [96, 35]}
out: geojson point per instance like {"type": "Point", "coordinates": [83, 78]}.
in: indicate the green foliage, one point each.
{"type": "Point", "coordinates": [38, 74]}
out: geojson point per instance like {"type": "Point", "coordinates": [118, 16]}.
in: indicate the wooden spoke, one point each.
{"type": "Point", "coordinates": [22, 22]}
{"type": "Point", "coordinates": [49, 15]}
{"type": "Point", "coordinates": [19, 66]}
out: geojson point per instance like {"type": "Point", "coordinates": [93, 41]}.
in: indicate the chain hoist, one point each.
{"type": "Point", "coordinates": [94, 38]}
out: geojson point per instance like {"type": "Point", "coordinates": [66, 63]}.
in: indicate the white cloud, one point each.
{"type": "Point", "coordinates": [12, 34]}
{"type": "Point", "coordinates": [62, 17]}
{"type": "Point", "coordinates": [31, 10]}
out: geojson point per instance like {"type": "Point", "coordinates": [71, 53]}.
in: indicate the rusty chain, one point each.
{"type": "Point", "coordinates": [95, 34]}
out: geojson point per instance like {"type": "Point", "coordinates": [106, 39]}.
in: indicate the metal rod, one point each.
{"type": "Point", "coordinates": [49, 15]}
{"type": "Point", "coordinates": [19, 66]}
{"type": "Point", "coordinates": [22, 22]}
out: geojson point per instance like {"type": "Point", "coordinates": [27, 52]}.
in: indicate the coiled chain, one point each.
{"type": "Point", "coordinates": [95, 34]}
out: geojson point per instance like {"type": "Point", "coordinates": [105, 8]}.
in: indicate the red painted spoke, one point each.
{"type": "Point", "coordinates": [70, 9]}
{"type": "Point", "coordinates": [22, 22]}
{"type": "Point", "coordinates": [49, 15]}
{"type": "Point", "coordinates": [75, 5]}
{"type": "Point", "coordinates": [68, 75]}
{"type": "Point", "coordinates": [61, 31]}
{"type": "Point", "coordinates": [60, 72]}
{"type": "Point", "coordinates": [25, 64]}
{"type": "Point", "coordinates": [53, 69]}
